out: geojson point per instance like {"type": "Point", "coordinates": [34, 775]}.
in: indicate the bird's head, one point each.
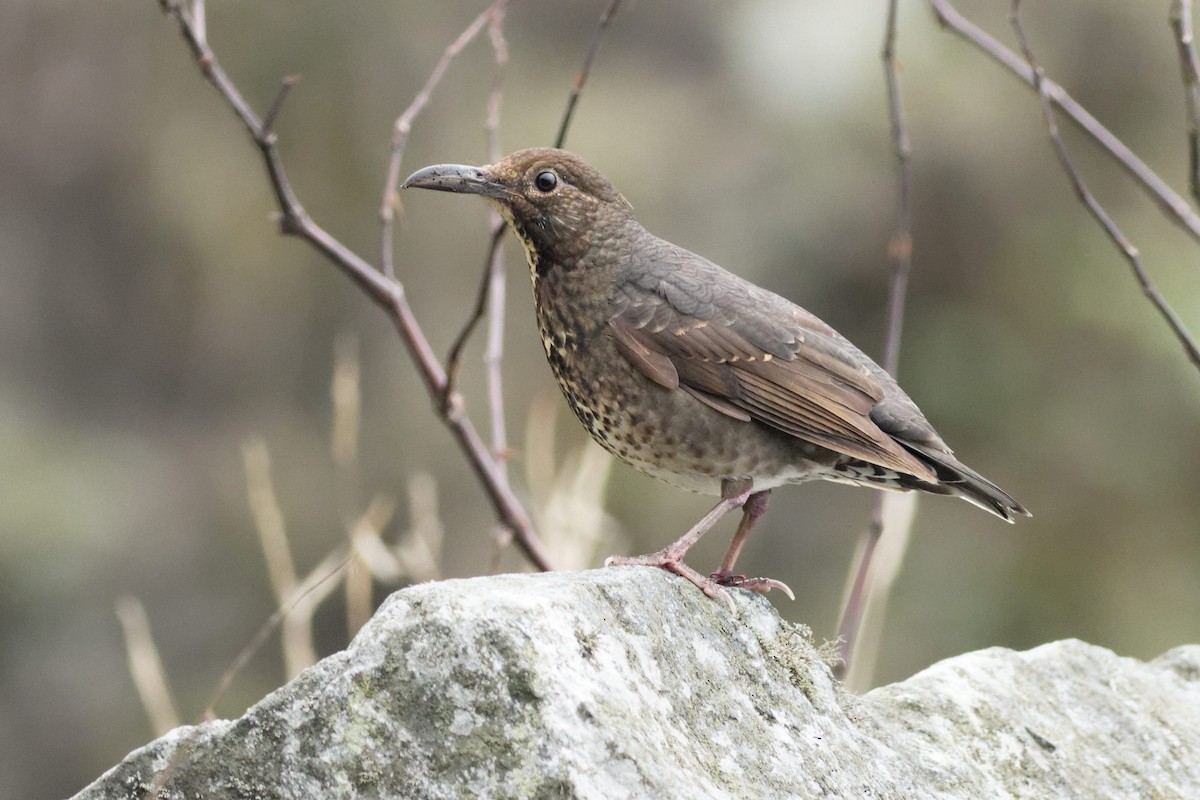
{"type": "Point", "coordinates": [560, 207]}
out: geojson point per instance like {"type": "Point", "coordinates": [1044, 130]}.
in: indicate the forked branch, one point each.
{"type": "Point", "coordinates": [1170, 201]}
{"type": "Point", "coordinates": [384, 290]}
{"type": "Point", "coordinates": [1127, 248]}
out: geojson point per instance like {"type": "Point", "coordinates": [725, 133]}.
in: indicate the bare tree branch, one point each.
{"type": "Point", "coordinates": [454, 357]}
{"type": "Point", "coordinates": [491, 287]}
{"type": "Point", "coordinates": [1181, 24]}
{"type": "Point", "coordinates": [493, 355]}
{"type": "Point", "coordinates": [900, 253]}
{"type": "Point", "coordinates": [1156, 188]}
{"type": "Point", "coordinates": [482, 298]}
{"type": "Point", "coordinates": [489, 298]}
{"type": "Point", "coordinates": [893, 514]}
{"type": "Point", "coordinates": [403, 127]}
{"type": "Point", "coordinates": [383, 290]}
{"type": "Point", "coordinates": [585, 70]}
{"type": "Point", "coordinates": [1041, 85]}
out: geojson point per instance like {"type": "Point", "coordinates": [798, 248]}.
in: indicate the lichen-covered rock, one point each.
{"type": "Point", "coordinates": [627, 683]}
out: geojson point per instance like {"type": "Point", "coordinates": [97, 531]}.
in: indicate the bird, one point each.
{"type": "Point", "coordinates": [694, 375]}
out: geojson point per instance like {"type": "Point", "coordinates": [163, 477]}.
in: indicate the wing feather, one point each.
{"type": "Point", "coordinates": [756, 357]}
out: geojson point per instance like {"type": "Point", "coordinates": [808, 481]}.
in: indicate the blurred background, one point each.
{"type": "Point", "coordinates": [152, 320]}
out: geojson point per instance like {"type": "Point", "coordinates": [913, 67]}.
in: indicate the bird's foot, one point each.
{"type": "Point", "coordinates": [760, 585]}
{"type": "Point", "coordinates": [671, 562]}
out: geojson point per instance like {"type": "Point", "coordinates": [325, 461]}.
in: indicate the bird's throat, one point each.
{"type": "Point", "coordinates": [537, 265]}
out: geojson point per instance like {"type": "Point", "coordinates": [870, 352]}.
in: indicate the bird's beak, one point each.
{"type": "Point", "coordinates": [457, 178]}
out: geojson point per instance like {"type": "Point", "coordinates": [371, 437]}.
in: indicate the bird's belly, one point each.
{"type": "Point", "coordinates": [669, 434]}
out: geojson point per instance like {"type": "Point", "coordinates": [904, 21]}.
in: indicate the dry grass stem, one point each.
{"type": "Point", "coordinates": [268, 518]}
{"type": "Point", "coordinates": [145, 666]}
{"type": "Point", "coordinates": [346, 393]}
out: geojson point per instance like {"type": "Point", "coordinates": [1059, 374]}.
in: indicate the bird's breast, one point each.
{"type": "Point", "coordinates": [666, 434]}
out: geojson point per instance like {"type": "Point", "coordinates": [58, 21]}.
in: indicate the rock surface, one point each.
{"type": "Point", "coordinates": [626, 683]}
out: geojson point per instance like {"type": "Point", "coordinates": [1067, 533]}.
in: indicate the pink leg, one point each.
{"type": "Point", "coordinates": [753, 509]}
{"type": "Point", "coordinates": [670, 558]}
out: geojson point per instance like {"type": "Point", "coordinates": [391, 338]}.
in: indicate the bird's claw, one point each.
{"type": "Point", "coordinates": [670, 562]}
{"type": "Point", "coordinates": [760, 585]}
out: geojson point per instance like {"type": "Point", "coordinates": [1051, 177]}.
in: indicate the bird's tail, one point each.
{"type": "Point", "coordinates": [957, 479]}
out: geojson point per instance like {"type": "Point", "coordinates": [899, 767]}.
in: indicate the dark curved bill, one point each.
{"type": "Point", "coordinates": [455, 178]}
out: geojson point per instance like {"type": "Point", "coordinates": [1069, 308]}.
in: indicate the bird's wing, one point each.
{"type": "Point", "coordinates": [688, 325]}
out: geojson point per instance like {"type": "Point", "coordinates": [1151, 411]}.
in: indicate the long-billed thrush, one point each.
{"type": "Point", "coordinates": [693, 375]}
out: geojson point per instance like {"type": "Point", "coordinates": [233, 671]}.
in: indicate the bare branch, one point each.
{"type": "Point", "coordinates": [285, 87]}
{"type": "Point", "coordinates": [490, 297]}
{"type": "Point", "coordinates": [1181, 24]}
{"type": "Point", "coordinates": [403, 126]}
{"type": "Point", "coordinates": [1156, 188]}
{"type": "Point", "coordinates": [900, 246]}
{"type": "Point", "coordinates": [454, 357]}
{"type": "Point", "coordinates": [900, 253]}
{"type": "Point", "coordinates": [493, 356]}
{"type": "Point", "coordinates": [584, 71]}
{"type": "Point", "coordinates": [1089, 201]}
{"type": "Point", "coordinates": [894, 513]}
{"type": "Point", "coordinates": [384, 291]}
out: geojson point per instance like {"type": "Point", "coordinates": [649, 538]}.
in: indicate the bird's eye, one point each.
{"type": "Point", "coordinates": [546, 181]}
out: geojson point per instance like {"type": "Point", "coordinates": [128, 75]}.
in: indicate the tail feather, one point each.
{"type": "Point", "coordinates": [955, 478]}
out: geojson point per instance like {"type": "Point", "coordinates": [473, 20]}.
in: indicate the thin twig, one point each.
{"type": "Point", "coordinates": [403, 127]}
{"type": "Point", "coordinates": [494, 16]}
{"type": "Point", "coordinates": [1041, 85]}
{"type": "Point", "coordinates": [454, 357]}
{"type": "Point", "coordinates": [896, 512]}
{"type": "Point", "coordinates": [490, 294]}
{"type": "Point", "coordinates": [855, 604]}
{"type": "Point", "coordinates": [1181, 24]}
{"type": "Point", "coordinates": [585, 70]}
{"type": "Point", "coordinates": [1155, 187]}
{"type": "Point", "coordinates": [493, 356]}
{"type": "Point", "coordinates": [900, 253]}
{"type": "Point", "coordinates": [314, 588]}
{"type": "Point", "coordinates": [285, 88]}
{"type": "Point", "coordinates": [345, 394]}
{"type": "Point", "coordinates": [384, 291]}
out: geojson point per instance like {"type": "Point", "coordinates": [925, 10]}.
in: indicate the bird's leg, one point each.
{"type": "Point", "coordinates": [754, 507]}
{"type": "Point", "coordinates": [734, 493]}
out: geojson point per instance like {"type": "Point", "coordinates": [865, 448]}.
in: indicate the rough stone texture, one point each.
{"type": "Point", "coordinates": [626, 683]}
